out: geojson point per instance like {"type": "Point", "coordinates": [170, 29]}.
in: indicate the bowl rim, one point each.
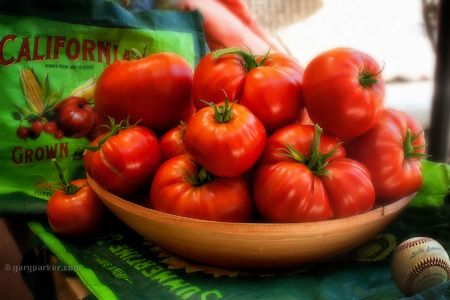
{"type": "Point", "coordinates": [258, 227]}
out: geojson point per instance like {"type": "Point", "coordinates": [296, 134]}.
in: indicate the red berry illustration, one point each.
{"type": "Point", "coordinates": [37, 126]}
{"type": "Point", "coordinates": [23, 132]}
{"type": "Point", "coordinates": [59, 134]}
{"type": "Point", "coordinates": [50, 127]}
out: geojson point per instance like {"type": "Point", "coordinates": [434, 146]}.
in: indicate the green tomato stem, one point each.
{"type": "Point", "coordinates": [248, 59]}
{"type": "Point", "coordinates": [317, 161]}
{"type": "Point", "coordinates": [200, 177]}
{"type": "Point", "coordinates": [223, 113]}
{"type": "Point", "coordinates": [408, 147]}
{"type": "Point", "coordinates": [113, 130]}
{"type": "Point", "coordinates": [137, 54]}
{"type": "Point", "coordinates": [67, 187]}
{"type": "Point", "coordinates": [368, 80]}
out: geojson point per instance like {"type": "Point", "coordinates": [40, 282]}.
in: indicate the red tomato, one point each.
{"type": "Point", "coordinates": [391, 151]}
{"type": "Point", "coordinates": [172, 142]}
{"type": "Point", "coordinates": [303, 176]}
{"type": "Point", "coordinates": [76, 214]}
{"type": "Point", "coordinates": [213, 77]}
{"type": "Point", "coordinates": [182, 188]}
{"type": "Point", "coordinates": [299, 137]}
{"type": "Point", "coordinates": [271, 87]}
{"type": "Point", "coordinates": [154, 90]}
{"type": "Point", "coordinates": [227, 141]}
{"type": "Point", "coordinates": [75, 116]}
{"type": "Point", "coordinates": [343, 92]}
{"type": "Point", "coordinates": [125, 162]}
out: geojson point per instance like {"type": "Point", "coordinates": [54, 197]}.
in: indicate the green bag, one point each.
{"type": "Point", "coordinates": [50, 50]}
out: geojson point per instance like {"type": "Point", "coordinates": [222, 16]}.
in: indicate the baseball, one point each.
{"type": "Point", "coordinates": [418, 264]}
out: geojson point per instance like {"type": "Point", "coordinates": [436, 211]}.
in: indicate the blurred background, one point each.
{"type": "Point", "coordinates": [402, 35]}
{"type": "Point", "coordinates": [395, 33]}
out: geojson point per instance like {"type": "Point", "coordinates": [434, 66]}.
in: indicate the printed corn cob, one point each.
{"type": "Point", "coordinates": [32, 91]}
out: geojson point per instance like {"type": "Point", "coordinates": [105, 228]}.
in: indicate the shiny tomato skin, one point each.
{"type": "Point", "coordinates": [126, 162]}
{"type": "Point", "coordinates": [222, 199]}
{"type": "Point", "coordinates": [394, 175]}
{"type": "Point", "coordinates": [289, 192]}
{"type": "Point", "coordinates": [272, 91]}
{"type": "Point", "coordinates": [214, 80]}
{"type": "Point", "coordinates": [172, 143]}
{"type": "Point", "coordinates": [78, 215]}
{"type": "Point", "coordinates": [286, 190]}
{"type": "Point", "coordinates": [225, 149]}
{"type": "Point", "coordinates": [298, 136]}
{"type": "Point", "coordinates": [349, 188]}
{"type": "Point", "coordinates": [154, 90]}
{"type": "Point", "coordinates": [334, 96]}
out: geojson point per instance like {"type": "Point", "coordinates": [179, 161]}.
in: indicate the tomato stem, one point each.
{"type": "Point", "coordinates": [67, 187]}
{"type": "Point", "coordinates": [317, 161]}
{"type": "Point", "coordinates": [200, 177]}
{"type": "Point", "coordinates": [291, 152]}
{"type": "Point", "coordinates": [113, 130]}
{"type": "Point", "coordinates": [137, 54]}
{"type": "Point", "coordinates": [248, 59]}
{"type": "Point", "coordinates": [408, 147]}
{"type": "Point", "coordinates": [367, 80]}
{"type": "Point", "coordinates": [223, 113]}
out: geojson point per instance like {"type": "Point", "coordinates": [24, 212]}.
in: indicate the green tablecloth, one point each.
{"type": "Point", "coordinates": [119, 264]}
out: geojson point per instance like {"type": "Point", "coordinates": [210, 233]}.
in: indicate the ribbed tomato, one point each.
{"type": "Point", "coordinates": [304, 176]}
{"type": "Point", "coordinates": [270, 86]}
{"type": "Point", "coordinates": [182, 187]}
{"type": "Point", "coordinates": [125, 160]}
{"type": "Point", "coordinates": [391, 151]}
{"type": "Point", "coordinates": [226, 140]}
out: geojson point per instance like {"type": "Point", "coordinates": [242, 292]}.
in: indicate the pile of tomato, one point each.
{"type": "Point", "coordinates": [245, 138]}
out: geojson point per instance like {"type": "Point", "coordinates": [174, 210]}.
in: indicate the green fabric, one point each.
{"type": "Point", "coordinates": [436, 184]}
{"type": "Point", "coordinates": [66, 43]}
{"type": "Point", "coordinates": [86, 274]}
{"type": "Point", "coordinates": [133, 268]}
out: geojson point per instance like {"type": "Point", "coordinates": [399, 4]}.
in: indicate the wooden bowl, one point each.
{"type": "Point", "coordinates": [250, 246]}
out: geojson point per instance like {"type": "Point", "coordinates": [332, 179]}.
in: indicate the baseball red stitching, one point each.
{"type": "Point", "coordinates": [422, 265]}
{"type": "Point", "coordinates": [412, 244]}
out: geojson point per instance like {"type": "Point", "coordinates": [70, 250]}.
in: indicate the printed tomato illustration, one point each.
{"type": "Point", "coordinates": [75, 116]}
{"type": "Point", "coordinates": [44, 112]}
